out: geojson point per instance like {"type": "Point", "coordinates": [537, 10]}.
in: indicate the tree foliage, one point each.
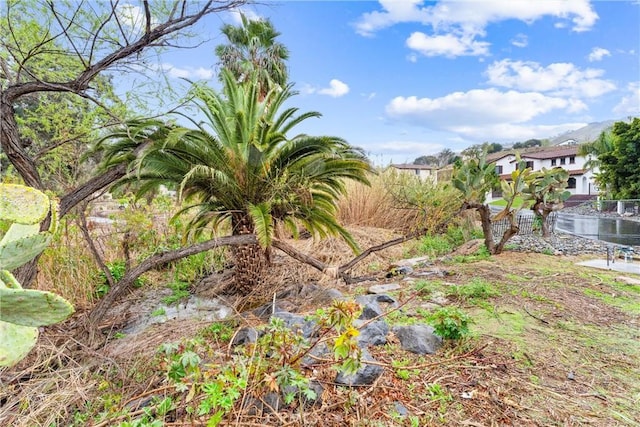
{"type": "Point", "coordinates": [545, 190]}
{"type": "Point", "coordinates": [443, 158]}
{"type": "Point", "coordinates": [474, 178]}
{"type": "Point", "coordinates": [253, 52]}
{"type": "Point", "coordinates": [619, 157]}
{"type": "Point", "coordinates": [527, 144]}
{"type": "Point", "coordinates": [63, 53]}
{"type": "Point", "coordinates": [477, 150]}
{"type": "Point", "coordinates": [60, 53]}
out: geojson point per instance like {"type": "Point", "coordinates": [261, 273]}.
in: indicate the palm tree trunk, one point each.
{"type": "Point", "coordinates": [250, 260]}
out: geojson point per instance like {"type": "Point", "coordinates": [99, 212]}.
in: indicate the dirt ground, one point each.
{"type": "Point", "coordinates": [551, 344]}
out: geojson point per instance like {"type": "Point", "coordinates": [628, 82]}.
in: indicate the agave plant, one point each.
{"type": "Point", "coordinates": [22, 311]}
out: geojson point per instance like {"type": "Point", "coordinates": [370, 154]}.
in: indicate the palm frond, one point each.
{"type": "Point", "coordinates": [263, 223]}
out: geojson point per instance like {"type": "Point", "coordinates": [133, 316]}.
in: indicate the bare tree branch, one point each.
{"type": "Point", "coordinates": [157, 260]}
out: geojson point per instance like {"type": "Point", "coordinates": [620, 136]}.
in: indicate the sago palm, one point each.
{"type": "Point", "coordinates": [240, 165]}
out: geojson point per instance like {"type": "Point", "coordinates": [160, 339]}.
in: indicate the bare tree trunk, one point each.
{"type": "Point", "coordinates": [154, 261]}
{"type": "Point", "coordinates": [12, 144]}
{"type": "Point", "coordinates": [508, 234]}
{"type": "Point", "coordinates": [485, 221]}
{"type": "Point", "coordinates": [84, 229]}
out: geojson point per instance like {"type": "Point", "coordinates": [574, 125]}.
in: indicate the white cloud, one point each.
{"type": "Point", "coordinates": [520, 40]}
{"type": "Point", "coordinates": [475, 15]}
{"type": "Point", "coordinates": [559, 79]}
{"type": "Point", "coordinates": [448, 45]}
{"type": "Point", "coordinates": [457, 24]}
{"type": "Point", "coordinates": [368, 96]}
{"type": "Point", "coordinates": [412, 57]}
{"type": "Point", "coordinates": [423, 148]}
{"type": "Point", "coordinates": [248, 13]}
{"type": "Point", "coordinates": [190, 73]}
{"type": "Point", "coordinates": [479, 113]}
{"type": "Point", "coordinates": [393, 12]}
{"type": "Point", "coordinates": [509, 132]}
{"type": "Point", "coordinates": [597, 53]}
{"type": "Point", "coordinates": [630, 104]}
{"type": "Point", "coordinates": [336, 89]}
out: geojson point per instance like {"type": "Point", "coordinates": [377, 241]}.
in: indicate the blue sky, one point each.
{"type": "Point", "coordinates": [403, 79]}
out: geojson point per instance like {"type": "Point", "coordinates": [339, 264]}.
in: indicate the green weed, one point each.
{"type": "Point", "coordinates": [477, 289]}
{"type": "Point", "coordinates": [450, 322]}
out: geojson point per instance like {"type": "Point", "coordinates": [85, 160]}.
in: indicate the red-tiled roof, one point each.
{"type": "Point", "coordinates": [556, 152]}
{"type": "Point", "coordinates": [540, 153]}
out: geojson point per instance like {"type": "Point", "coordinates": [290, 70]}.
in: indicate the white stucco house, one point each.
{"type": "Point", "coordinates": [581, 180]}
{"type": "Point", "coordinates": [421, 171]}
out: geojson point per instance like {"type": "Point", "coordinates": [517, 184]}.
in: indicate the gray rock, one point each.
{"type": "Point", "coordinates": [419, 338]}
{"type": "Point", "coordinates": [439, 298]}
{"type": "Point", "coordinates": [375, 333]}
{"type": "Point", "coordinates": [401, 409]}
{"type": "Point", "coordinates": [272, 402]}
{"type": "Point", "coordinates": [297, 323]}
{"type": "Point", "coordinates": [265, 311]}
{"type": "Point", "coordinates": [321, 350]}
{"type": "Point", "coordinates": [370, 304]}
{"type": "Point", "coordinates": [366, 375]}
{"type": "Point", "coordinates": [252, 406]}
{"type": "Point", "coordinates": [423, 260]}
{"type": "Point", "coordinates": [245, 336]}
{"type": "Point", "coordinates": [384, 288]}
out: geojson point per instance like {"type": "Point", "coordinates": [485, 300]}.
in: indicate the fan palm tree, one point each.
{"type": "Point", "coordinates": [240, 165]}
{"type": "Point", "coordinates": [603, 145]}
{"type": "Point", "coordinates": [252, 51]}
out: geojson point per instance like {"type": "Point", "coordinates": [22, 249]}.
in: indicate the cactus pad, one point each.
{"type": "Point", "coordinates": [23, 310]}
{"type": "Point", "coordinates": [30, 307]}
{"type": "Point", "coordinates": [14, 253]}
{"type": "Point", "coordinates": [16, 342]}
{"type": "Point", "coordinates": [23, 205]}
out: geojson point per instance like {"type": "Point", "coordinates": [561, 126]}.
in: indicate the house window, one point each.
{"type": "Point", "coordinates": [563, 161]}
{"type": "Point", "coordinates": [571, 183]}
{"type": "Point", "coordinates": [553, 162]}
{"type": "Point", "coordinates": [499, 169]}
{"type": "Point", "coordinates": [417, 172]}
{"type": "Point", "coordinates": [572, 160]}
{"type": "Point", "coordinates": [529, 165]}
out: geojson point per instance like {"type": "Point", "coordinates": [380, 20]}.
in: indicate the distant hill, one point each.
{"type": "Point", "coordinates": [587, 133]}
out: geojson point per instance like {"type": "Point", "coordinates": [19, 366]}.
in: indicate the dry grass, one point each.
{"type": "Point", "coordinates": [373, 206]}
{"type": "Point", "coordinates": [397, 201]}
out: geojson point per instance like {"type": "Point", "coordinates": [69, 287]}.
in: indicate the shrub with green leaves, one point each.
{"type": "Point", "coordinates": [450, 323]}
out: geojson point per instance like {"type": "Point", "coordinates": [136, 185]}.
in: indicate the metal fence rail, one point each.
{"type": "Point", "coordinates": [628, 206]}
{"type": "Point", "coordinates": [527, 224]}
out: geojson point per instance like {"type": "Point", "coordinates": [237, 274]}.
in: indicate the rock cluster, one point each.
{"type": "Point", "coordinates": [418, 338]}
{"type": "Point", "coordinates": [559, 244]}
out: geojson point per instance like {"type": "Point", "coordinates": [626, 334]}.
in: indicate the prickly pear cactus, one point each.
{"type": "Point", "coordinates": [23, 310]}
